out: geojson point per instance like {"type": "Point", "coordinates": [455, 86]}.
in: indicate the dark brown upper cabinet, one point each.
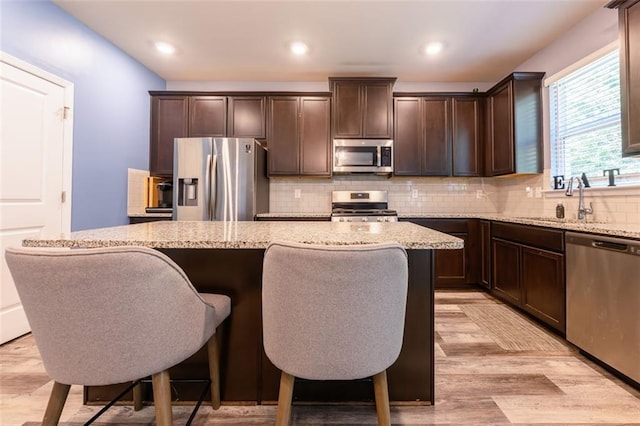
{"type": "Point", "coordinates": [246, 117]}
{"type": "Point", "coordinates": [629, 28]}
{"type": "Point", "coordinates": [514, 125]}
{"type": "Point", "coordinates": [362, 107]}
{"type": "Point", "coordinates": [437, 136]}
{"type": "Point", "coordinates": [207, 116]}
{"type": "Point", "coordinates": [178, 115]}
{"type": "Point", "coordinates": [298, 135]}
{"type": "Point", "coordinates": [466, 135]}
{"type": "Point", "coordinates": [169, 120]}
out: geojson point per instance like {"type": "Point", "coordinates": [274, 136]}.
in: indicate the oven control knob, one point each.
{"type": "Point", "coordinates": [364, 219]}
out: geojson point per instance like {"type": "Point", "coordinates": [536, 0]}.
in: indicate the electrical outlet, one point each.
{"type": "Point", "coordinates": [296, 193]}
{"type": "Point", "coordinates": [538, 192]}
{"type": "Point", "coordinates": [414, 193]}
{"type": "Point", "coordinates": [479, 193]}
{"type": "Point", "coordinates": [529, 192]}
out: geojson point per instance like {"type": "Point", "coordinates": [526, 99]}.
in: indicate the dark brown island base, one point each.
{"type": "Point", "coordinates": [227, 258]}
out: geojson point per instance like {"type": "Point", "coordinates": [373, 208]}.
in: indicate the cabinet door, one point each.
{"type": "Point", "coordinates": [467, 131]}
{"type": "Point", "coordinates": [629, 18]}
{"type": "Point", "coordinates": [315, 140]}
{"type": "Point", "coordinates": [246, 118]}
{"type": "Point", "coordinates": [169, 120]}
{"type": "Point", "coordinates": [485, 253]}
{"type": "Point", "coordinates": [378, 118]}
{"type": "Point", "coordinates": [501, 135]}
{"type": "Point", "coordinates": [506, 270]}
{"type": "Point", "coordinates": [282, 141]}
{"type": "Point", "coordinates": [347, 109]}
{"type": "Point", "coordinates": [543, 286]}
{"type": "Point", "coordinates": [207, 116]}
{"type": "Point", "coordinates": [408, 145]}
{"type": "Point", "coordinates": [436, 119]}
{"type": "Point", "coordinates": [451, 267]}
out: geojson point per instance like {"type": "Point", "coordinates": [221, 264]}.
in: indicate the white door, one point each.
{"type": "Point", "coordinates": [32, 177]}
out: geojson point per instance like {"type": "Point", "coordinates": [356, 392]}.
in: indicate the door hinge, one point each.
{"type": "Point", "coordinates": [63, 196]}
{"type": "Point", "coordinates": [66, 113]}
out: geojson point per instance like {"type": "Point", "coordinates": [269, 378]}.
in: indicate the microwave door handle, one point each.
{"type": "Point", "coordinates": [379, 156]}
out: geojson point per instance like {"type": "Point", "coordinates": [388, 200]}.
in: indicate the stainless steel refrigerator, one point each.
{"type": "Point", "coordinates": [219, 179]}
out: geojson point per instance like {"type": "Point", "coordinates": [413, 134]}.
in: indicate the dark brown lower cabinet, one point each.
{"type": "Point", "coordinates": [451, 267]}
{"type": "Point", "coordinates": [454, 268]}
{"type": "Point", "coordinates": [543, 285]}
{"type": "Point", "coordinates": [506, 270]}
{"type": "Point", "coordinates": [528, 270]}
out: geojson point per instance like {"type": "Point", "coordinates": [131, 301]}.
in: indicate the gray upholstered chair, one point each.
{"type": "Point", "coordinates": [333, 313]}
{"type": "Point", "coordinates": [113, 315]}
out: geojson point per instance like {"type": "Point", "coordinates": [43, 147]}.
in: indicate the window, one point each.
{"type": "Point", "coordinates": [585, 124]}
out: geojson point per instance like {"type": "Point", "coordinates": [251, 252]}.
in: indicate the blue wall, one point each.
{"type": "Point", "coordinates": [111, 104]}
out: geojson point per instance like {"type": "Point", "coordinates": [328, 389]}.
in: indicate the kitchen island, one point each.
{"type": "Point", "coordinates": [226, 257]}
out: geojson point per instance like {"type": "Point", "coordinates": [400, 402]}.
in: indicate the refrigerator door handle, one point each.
{"type": "Point", "coordinates": [207, 180]}
{"type": "Point", "coordinates": [213, 194]}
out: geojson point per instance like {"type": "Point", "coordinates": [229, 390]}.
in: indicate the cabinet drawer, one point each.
{"type": "Point", "coordinates": [549, 239]}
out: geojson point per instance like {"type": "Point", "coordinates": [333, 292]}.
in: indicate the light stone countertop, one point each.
{"type": "Point", "coordinates": [250, 235]}
{"type": "Point", "coordinates": [590, 227]}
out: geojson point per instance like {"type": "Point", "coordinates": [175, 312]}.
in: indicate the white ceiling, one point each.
{"type": "Point", "coordinates": [248, 40]}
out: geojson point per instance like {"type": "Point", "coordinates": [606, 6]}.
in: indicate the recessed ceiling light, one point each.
{"type": "Point", "coordinates": [165, 48]}
{"type": "Point", "coordinates": [299, 48]}
{"type": "Point", "coordinates": [433, 48]}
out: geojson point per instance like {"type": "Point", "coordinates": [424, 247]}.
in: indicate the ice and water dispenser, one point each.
{"type": "Point", "coordinates": [187, 192]}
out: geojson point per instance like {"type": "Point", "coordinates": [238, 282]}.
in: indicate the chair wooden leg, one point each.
{"type": "Point", "coordinates": [137, 397]}
{"type": "Point", "coordinates": [381, 391]}
{"type": "Point", "coordinates": [214, 371]}
{"type": "Point", "coordinates": [162, 398]}
{"type": "Point", "coordinates": [284, 399]}
{"type": "Point", "coordinates": [56, 403]}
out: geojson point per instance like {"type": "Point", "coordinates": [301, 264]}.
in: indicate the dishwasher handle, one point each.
{"type": "Point", "coordinates": [601, 242]}
{"type": "Point", "coordinates": [607, 245]}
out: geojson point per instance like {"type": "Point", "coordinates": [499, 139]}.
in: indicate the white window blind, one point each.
{"type": "Point", "coordinates": [585, 122]}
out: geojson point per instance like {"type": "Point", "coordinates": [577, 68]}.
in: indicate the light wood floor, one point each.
{"type": "Point", "coordinates": [493, 366]}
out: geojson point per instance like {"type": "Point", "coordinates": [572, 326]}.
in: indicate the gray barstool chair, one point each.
{"type": "Point", "coordinates": [114, 315]}
{"type": "Point", "coordinates": [333, 313]}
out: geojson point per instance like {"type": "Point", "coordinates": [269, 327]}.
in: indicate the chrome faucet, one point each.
{"type": "Point", "coordinates": [582, 210]}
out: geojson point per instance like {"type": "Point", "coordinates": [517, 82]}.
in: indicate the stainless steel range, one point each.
{"type": "Point", "coordinates": [361, 206]}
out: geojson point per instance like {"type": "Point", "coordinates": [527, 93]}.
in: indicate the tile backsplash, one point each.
{"type": "Point", "coordinates": [419, 195]}
{"type": "Point", "coordinates": [527, 195]}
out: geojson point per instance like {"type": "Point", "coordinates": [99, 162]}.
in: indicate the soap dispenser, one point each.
{"type": "Point", "coordinates": [560, 211]}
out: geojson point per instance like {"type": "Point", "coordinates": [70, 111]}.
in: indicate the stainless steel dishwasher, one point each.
{"type": "Point", "coordinates": [603, 299]}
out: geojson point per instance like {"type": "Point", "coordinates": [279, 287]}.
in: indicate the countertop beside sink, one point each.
{"type": "Point", "coordinates": [588, 226]}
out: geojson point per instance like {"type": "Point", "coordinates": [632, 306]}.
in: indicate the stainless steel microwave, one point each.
{"type": "Point", "coordinates": [363, 156]}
